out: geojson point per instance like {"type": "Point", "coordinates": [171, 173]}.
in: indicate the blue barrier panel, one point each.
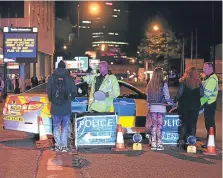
{"type": "Point", "coordinates": [170, 129]}
{"type": "Point", "coordinates": [95, 131]}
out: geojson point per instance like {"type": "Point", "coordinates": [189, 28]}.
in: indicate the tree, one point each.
{"type": "Point", "coordinates": [160, 46]}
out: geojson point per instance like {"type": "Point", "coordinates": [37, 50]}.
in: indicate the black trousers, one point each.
{"type": "Point", "coordinates": [209, 117]}
{"type": "Point", "coordinates": [17, 91]}
{"type": "Point", "coordinates": [188, 123]}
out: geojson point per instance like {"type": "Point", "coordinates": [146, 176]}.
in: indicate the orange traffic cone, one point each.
{"type": "Point", "coordinates": [211, 150]}
{"type": "Point", "coordinates": [120, 140]}
{"type": "Point", "coordinates": [42, 132]}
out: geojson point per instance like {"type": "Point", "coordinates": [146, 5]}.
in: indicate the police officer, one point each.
{"type": "Point", "coordinates": [105, 82]}
{"type": "Point", "coordinates": [210, 85]}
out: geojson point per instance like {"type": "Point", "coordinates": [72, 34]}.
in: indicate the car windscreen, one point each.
{"type": "Point", "coordinates": [38, 89]}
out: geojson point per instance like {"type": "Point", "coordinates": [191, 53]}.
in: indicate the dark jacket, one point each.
{"type": "Point", "coordinates": [34, 81]}
{"type": "Point", "coordinates": [188, 99]}
{"type": "Point", "coordinates": [64, 109]}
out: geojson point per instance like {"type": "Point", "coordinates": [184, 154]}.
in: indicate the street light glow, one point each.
{"type": "Point", "coordinates": [155, 27]}
{"type": "Point", "coordinates": [94, 8]}
{"type": "Point", "coordinates": [102, 47]}
{"type": "Point", "coordinates": [65, 47]}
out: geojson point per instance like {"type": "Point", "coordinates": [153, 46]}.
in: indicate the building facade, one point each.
{"type": "Point", "coordinates": [103, 26]}
{"type": "Point", "coordinates": [38, 14]}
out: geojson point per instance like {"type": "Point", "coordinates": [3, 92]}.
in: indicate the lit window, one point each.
{"type": "Point", "coordinates": [116, 33]}
{"type": "Point", "coordinates": [111, 33]}
{"type": "Point", "coordinates": [114, 16]}
{"type": "Point", "coordinates": [111, 42]}
{"type": "Point", "coordinates": [86, 21]}
{"type": "Point", "coordinates": [115, 10]}
{"type": "Point", "coordinates": [108, 3]}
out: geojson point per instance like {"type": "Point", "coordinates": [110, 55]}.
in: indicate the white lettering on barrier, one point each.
{"type": "Point", "coordinates": [172, 123]}
{"type": "Point", "coordinates": [170, 136]}
{"type": "Point", "coordinates": [96, 123]}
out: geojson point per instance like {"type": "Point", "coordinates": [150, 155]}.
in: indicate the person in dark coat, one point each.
{"type": "Point", "coordinates": [61, 91]}
{"type": "Point", "coordinates": [34, 81]}
{"type": "Point", "coordinates": [188, 97]}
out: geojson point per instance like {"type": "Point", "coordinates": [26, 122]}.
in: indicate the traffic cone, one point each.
{"type": "Point", "coordinates": [120, 146]}
{"type": "Point", "coordinates": [211, 150]}
{"type": "Point", "coordinates": [42, 132]}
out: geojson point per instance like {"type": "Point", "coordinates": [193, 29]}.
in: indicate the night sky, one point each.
{"type": "Point", "coordinates": [183, 17]}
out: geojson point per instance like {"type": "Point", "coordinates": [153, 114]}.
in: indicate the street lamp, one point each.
{"type": "Point", "coordinates": [102, 47]}
{"type": "Point", "coordinates": [64, 47]}
{"type": "Point", "coordinates": [94, 8]}
{"type": "Point", "coordinates": [155, 27]}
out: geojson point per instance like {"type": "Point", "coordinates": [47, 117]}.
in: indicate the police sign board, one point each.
{"type": "Point", "coordinates": [95, 130]}
{"type": "Point", "coordinates": [170, 129]}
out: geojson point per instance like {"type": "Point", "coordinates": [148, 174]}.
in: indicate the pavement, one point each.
{"type": "Point", "coordinates": [19, 158]}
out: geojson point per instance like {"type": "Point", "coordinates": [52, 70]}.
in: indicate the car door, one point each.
{"type": "Point", "coordinates": [131, 106]}
{"type": "Point", "coordinates": [125, 107]}
{"type": "Point", "coordinates": [21, 112]}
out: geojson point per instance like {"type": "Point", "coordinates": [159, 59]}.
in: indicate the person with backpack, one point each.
{"type": "Point", "coordinates": [61, 91]}
{"type": "Point", "coordinates": [17, 83]}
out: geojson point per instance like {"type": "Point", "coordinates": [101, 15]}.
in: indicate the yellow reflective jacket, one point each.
{"type": "Point", "coordinates": [210, 89]}
{"type": "Point", "coordinates": [109, 85]}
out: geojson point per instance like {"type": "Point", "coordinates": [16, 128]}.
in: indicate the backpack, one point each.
{"type": "Point", "coordinates": [59, 92]}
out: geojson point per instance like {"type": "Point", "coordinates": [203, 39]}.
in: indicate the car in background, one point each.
{"type": "Point", "coordinates": [24, 111]}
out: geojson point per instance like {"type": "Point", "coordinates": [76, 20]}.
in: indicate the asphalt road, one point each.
{"type": "Point", "coordinates": [19, 158]}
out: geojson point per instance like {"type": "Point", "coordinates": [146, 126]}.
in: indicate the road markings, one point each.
{"type": "Point", "coordinates": [54, 164]}
{"type": "Point", "coordinates": [52, 176]}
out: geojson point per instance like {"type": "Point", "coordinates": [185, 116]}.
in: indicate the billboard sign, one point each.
{"type": "Point", "coordinates": [20, 44]}
{"type": "Point", "coordinates": [95, 130]}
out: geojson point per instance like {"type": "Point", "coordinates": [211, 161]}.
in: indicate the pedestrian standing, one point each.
{"type": "Point", "coordinates": [210, 85]}
{"type": "Point", "coordinates": [2, 85]}
{"type": "Point", "coordinates": [61, 90]}
{"type": "Point", "coordinates": [34, 81]}
{"type": "Point", "coordinates": [17, 83]}
{"type": "Point", "coordinates": [158, 97]}
{"type": "Point", "coordinates": [188, 97]}
{"type": "Point", "coordinates": [28, 83]}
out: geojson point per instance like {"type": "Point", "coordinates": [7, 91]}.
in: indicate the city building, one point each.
{"type": "Point", "coordinates": [38, 14]}
{"type": "Point", "coordinates": [103, 27]}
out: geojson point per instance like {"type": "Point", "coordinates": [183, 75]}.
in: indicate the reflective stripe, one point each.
{"type": "Point", "coordinates": [206, 90]}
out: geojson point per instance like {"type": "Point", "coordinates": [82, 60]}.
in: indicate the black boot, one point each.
{"type": "Point", "coordinates": [181, 144]}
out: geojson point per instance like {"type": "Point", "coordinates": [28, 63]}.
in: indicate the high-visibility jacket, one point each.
{"type": "Point", "coordinates": [210, 85]}
{"type": "Point", "coordinates": [109, 85]}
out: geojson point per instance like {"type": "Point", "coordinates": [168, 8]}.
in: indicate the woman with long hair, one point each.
{"type": "Point", "coordinates": [188, 97]}
{"type": "Point", "coordinates": [157, 98]}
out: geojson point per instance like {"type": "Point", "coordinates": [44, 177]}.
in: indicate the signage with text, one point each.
{"type": "Point", "coordinates": [170, 129]}
{"type": "Point", "coordinates": [96, 130]}
{"type": "Point", "coordinates": [20, 46]}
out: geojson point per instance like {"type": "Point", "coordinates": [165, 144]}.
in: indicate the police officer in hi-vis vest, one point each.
{"type": "Point", "coordinates": [210, 85]}
{"type": "Point", "coordinates": [104, 82]}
